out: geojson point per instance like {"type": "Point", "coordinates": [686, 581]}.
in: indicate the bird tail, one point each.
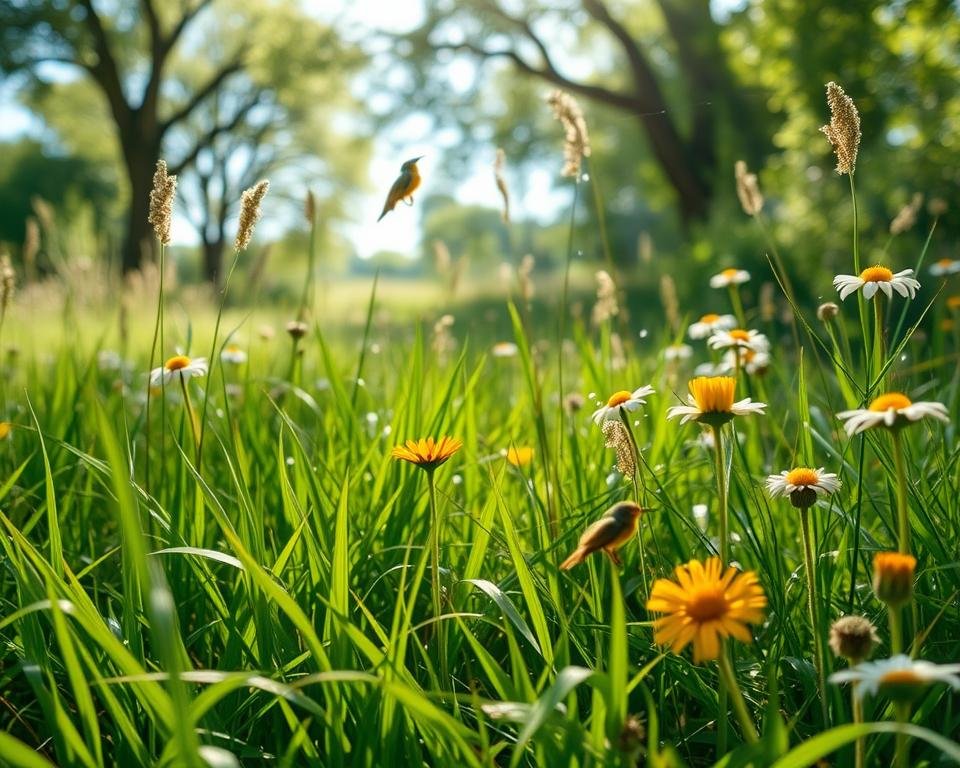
{"type": "Point", "coordinates": [385, 212]}
{"type": "Point", "coordinates": [575, 559]}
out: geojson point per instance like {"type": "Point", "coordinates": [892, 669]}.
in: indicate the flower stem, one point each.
{"type": "Point", "coordinates": [435, 581]}
{"type": "Point", "coordinates": [901, 755]}
{"type": "Point", "coordinates": [720, 471]}
{"type": "Point", "coordinates": [737, 305]}
{"type": "Point", "coordinates": [859, 744]}
{"type": "Point", "coordinates": [637, 496]}
{"type": "Point", "coordinates": [736, 697]}
{"type": "Point", "coordinates": [878, 345]}
{"type": "Point", "coordinates": [896, 631]}
{"type": "Point", "coordinates": [192, 418]}
{"type": "Point", "coordinates": [812, 610]}
{"type": "Point", "coordinates": [903, 510]}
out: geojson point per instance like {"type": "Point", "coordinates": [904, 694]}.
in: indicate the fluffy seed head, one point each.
{"type": "Point", "coordinates": [498, 165]}
{"type": "Point", "coordinates": [827, 311]}
{"type": "Point", "coordinates": [576, 141]}
{"type": "Point", "coordinates": [748, 190]}
{"type": "Point", "coordinates": [843, 130]}
{"type": "Point", "coordinates": [853, 638]}
{"type": "Point", "coordinates": [250, 213]}
{"type": "Point", "coordinates": [161, 202]}
{"type": "Point", "coordinates": [615, 436]}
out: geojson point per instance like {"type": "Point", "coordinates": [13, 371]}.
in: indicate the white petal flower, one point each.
{"type": "Point", "coordinates": [179, 367]}
{"type": "Point", "coordinates": [233, 354]}
{"type": "Point", "coordinates": [891, 410]}
{"type": "Point", "coordinates": [800, 478]}
{"type": "Point", "coordinates": [753, 362]}
{"type": "Point", "coordinates": [677, 352]}
{"type": "Point", "coordinates": [729, 277]}
{"type": "Point", "coordinates": [711, 401]}
{"type": "Point", "coordinates": [891, 676]}
{"type": "Point", "coordinates": [738, 337]}
{"type": "Point", "coordinates": [504, 349]}
{"type": "Point", "coordinates": [944, 267]}
{"type": "Point", "coordinates": [622, 401]}
{"type": "Point", "coordinates": [709, 324]}
{"type": "Point", "coordinates": [877, 278]}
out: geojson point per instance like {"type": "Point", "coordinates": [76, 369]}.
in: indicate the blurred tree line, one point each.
{"type": "Point", "coordinates": [674, 92]}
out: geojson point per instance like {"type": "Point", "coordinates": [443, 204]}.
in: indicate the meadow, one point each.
{"type": "Point", "coordinates": [234, 560]}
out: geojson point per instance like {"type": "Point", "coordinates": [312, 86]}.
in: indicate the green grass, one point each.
{"type": "Point", "coordinates": [271, 603]}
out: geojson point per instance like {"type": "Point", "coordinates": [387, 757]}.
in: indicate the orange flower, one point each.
{"type": "Point", "coordinates": [427, 452]}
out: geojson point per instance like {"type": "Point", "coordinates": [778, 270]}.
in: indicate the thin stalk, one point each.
{"type": "Point", "coordinates": [157, 335]}
{"type": "Point", "coordinates": [435, 570]}
{"type": "Point", "coordinates": [736, 697]}
{"type": "Point", "coordinates": [737, 305]}
{"type": "Point", "coordinates": [903, 510]}
{"type": "Point", "coordinates": [812, 610]}
{"type": "Point", "coordinates": [859, 746]}
{"type": "Point", "coordinates": [637, 497]}
{"type": "Point", "coordinates": [192, 416]}
{"type": "Point", "coordinates": [896, 629]}
{"type": "Point", "coordinates": [722, 688]}
{"type": "Point", "coordinates": [861, 302]}
{"type": "Point", "coordinates": [878, 345]}
{"type": "Point", "coordinates": [901, 755]}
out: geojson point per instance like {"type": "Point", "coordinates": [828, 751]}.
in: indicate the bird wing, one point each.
{"type": "Point", "coordinates": [396, 194]}
{"type": "Point", "coordinates": [601, 533]}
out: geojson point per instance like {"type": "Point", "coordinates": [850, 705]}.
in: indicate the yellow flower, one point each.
{"type": "Point", "coordinates": [891, 410]}
{"type": "Point", "coordinates": [519, 457]}
{"type": "Point", "coordinates": [893, 577]}
{"type": "Point", "coordinates": [704, 604]}
{"type": "Point", "coordinates": [711, 402]}
{"type": "Point", "coordinates": [6, 429]}
{"type": "Point", "coordinates": [427, 452]}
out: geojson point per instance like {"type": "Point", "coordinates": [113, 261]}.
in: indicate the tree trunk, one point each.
{"type": "Point", "coordinates": [692, 189]}
{"type": "Point", "coordinates": [139, 240]}
{"type": "Point", "coordinates": [213, 262]}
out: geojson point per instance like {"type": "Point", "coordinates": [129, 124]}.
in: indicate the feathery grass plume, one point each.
{"type": "Point", "coordinates": [671, 305]}
{"type": "Point", "coordinates": [576, 141]}
{"type": "Point", "coordinates": [615, 436]}
{"type": "Point", "coordinates": [843, 130]}
{"type": "Point", "coordinates": [498, 165]}
{"type": "Point", "coordinates": [524, 272]}
{"type": "Point", "coordinates": [8, 281]}
{"type": "Point", "coordinates": [250, 213]}
{"type": "Point", "coordinates": [161, 202]}
{"type": "Point", "coordinates": [748, 190]}
{"type": "Point", "coordinates": [606, 306]}
{"type": "Point", "coordinates": [907, 216]}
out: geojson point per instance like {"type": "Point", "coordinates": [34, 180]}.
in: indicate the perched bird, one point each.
{"type": "Point", "coordinates": [403, 187]}
{"type": "Point", "coordinates": [609, 533]}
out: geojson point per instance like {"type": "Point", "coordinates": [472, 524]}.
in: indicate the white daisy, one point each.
{"type": "Point", "coordinates": [677, 352]}
{"type": "Point", "coordinates": [178, 367]}
{"type": "Point", "coordinates": [233, 354]}
{"type": "Point", "coordinates": [621, 401]}
{"type": "Point", "coordinates": [751, 361]}
{"type": "Point", "coordinates": [712, 369]}
{"type": "Point", "coordinates": [802, 485]}
{"type": "Point", "coordinates": [877, 278]}
{"type": "Point", "coordinates": [944, 267]}
{"type": "Point", "coordinates": [738, 337]}
{"type": "Point", "coordinates": [711, 402]}
{"type": "Point", "coordinates": [899, 677]}
{"type": "Point", "coordinates": [709, 324]}
{"type": "Point", "coordinates": [504, 349]}
{"type": "Point", "coordinates": [891, 410]}
{"type": "Point", "coordinates": [730, 276]}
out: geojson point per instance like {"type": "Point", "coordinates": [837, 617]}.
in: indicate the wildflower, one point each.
{"type": "Point", "coordinates": [297, 329]}
{"type": "Point", "coordinates": [250, 213]}
{"type": "Point", "coordinates": [754, 362]}
{"type": "Point", "coordinates": [178, 367]}
{"type": "Point", "coordinates": [711, 402]}
{"type": "Point", "coordinates": [729, 277]}
{"type": "Point", "coordinates": [622, 401]}
{"type": "Point", "coordinates": [576, 142]}
{"type": "Point", "coordinates": [6, 430]}
{"type": "Point", "coordinates": [615, 436]}
{"type": "Point", "coordinates": [713, 369]}
{"type": "Point", "coordinates": [877, 278]}
{"type": "Point", "coordinates": [843, 130]}
{"type": "Point", "coordinates": [892, 410]}
{"type": "Point", "coordinates": [907, 216]}
{"type": "Point", "coordinates": [573, 402]}
{"type": "Point", "coordinates": [827, 311]}
{"type": "Point", "coordinates": [802, 485]}
{"type": "Point", "coordinates": [710, 324]}
{"type": "Point", "coordinates": [900, 677]}
{"type": "Point", "coordinates": [893, 577]}
{"type": "Point", "coordinates": [427, 453]}
{"type": "Point", "coordinates": [705, 603]}
{"type": "Point", "coordinates": [498, 163]}
{"type": "Point", "coordinates": [748, 190]}
{"type": "Point", "coordinates": [937, 206]}
{"type": "Point", "coordinates": [518, 457]}
{"type": "Point", "coordinates": [233, 354]}
{"type": "Point", "coordinates": [504, 349]}
{"type": "Point", "coordinates": [266, 332]}
{"type": "Point", "coordinates": [945, 267]}
{"type": "Point", "coordinates": [853, 638]}
{"type": "Point", "coordinates": [738, 337]}
{"type": "Point", "coordinates": [677, 352]}
{"type": "Point", "coordinates": [161, 202]}
{"type": "Point", "coordinates": [953, 302]}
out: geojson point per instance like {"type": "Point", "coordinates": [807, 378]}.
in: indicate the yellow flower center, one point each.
{"type": "Point", "coordinates": [712, 318]}
{"type": "Point", "coordinates": [893, 400]}
{"type": "Point", "coordinates": [713, 394]}
{"type": "Point", "coordinates": [740, 335]}
{"type": "Point", "coordinates": [730, 273]}
{"type": "Point", "coordinates": [802, 476]}
{"type": "Point", "coordinates": [707, 604]}
{"type": "Point", "coordinates": [177, 363]}
{"type": "Point", "coordinates": [953, 302]}
{"type": "Point", "coordinates": [901, 677]}
{"type": "Point", "coordinates": [945, 262]}
{"type": "Point", "coordinates": [876, 274]}
{"type": "Point", "coordinates": [618, 398]}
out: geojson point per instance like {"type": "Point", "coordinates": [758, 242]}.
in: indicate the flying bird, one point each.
{"type": "Point", "coordinates": [403, 188]}
{"type": "Point", "coordinates": [609, 533]}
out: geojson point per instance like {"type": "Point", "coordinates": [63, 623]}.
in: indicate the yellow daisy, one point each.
{"type": "Point", "coordinates": [427, 452]}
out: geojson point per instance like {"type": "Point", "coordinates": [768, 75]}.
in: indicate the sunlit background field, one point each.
{"type": "Point", "coordinates": [626, 436]}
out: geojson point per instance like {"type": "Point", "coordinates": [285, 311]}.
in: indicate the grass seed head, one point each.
{"type": "Point", "coordinates": [853, 638]}
{"type": "Point", "coordinates": [161, 202]}
{"type": "Point", "coordinates": [576, 140]}
{"type": "Point", "coordinates": [250, 213]}
{"type": "Point", "coordinates": [748, 189]}
{"type": "Point", "coordinates": [498, 165]}
{"type": "Point", "coordinates": [843, 130]}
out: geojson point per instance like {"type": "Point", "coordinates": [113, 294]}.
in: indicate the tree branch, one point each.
{"type": "Point", "coordinates": [105, 71]}
{"type": "Point", "coordinates": [207, 139]}
{"type": "Point", "coordinates": [210, 87]}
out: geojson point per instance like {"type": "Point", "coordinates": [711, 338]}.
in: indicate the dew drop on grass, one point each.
{"type": "Point", "coordinates": [644, 333]}
{"type": "Point", "coordinates": [456, 479]}
{"type": "Point", "coordinates": [290, 461]}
